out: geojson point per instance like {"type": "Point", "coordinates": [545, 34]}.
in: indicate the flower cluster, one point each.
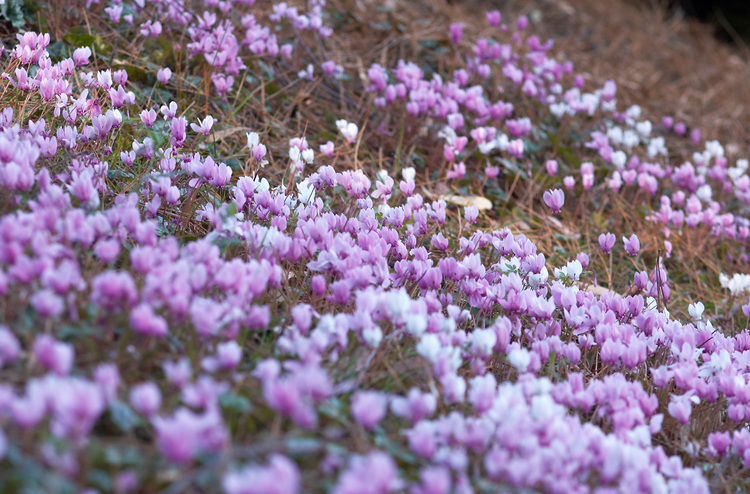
{"type": "Point", "coordinates": [163, 306]}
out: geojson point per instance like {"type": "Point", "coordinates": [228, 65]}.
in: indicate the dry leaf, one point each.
{"type": "Point", "coordinates": [482, 203]}
{"type": "Point", "coordinates": [221, 135]}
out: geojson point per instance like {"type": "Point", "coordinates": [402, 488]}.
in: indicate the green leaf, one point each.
{"type": "Point", "coordinates": [123, 416]}
{"type": "Point", "coordinates": [79, 38]}
{"type": "Point", "coordinates": [13, 11]}
{"type": "Point", "coordinates": [303, 445]}
{"type": "Point", "coordinates": [234, 403]}
{"type": "Point", "coordinates": [101, 480]}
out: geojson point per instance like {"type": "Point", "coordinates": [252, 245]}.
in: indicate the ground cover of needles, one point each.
{"type": "Point", "coordinates": [285, 247]}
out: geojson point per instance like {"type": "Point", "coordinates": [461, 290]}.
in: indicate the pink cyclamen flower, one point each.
{"type": "Point", "coordinates": [81, 56]}
{"type": "Point", "coordinates": [148, 117]}
{"type": "Point", "coordinates": [280, 476]}
{"type": "Point", "coordinates": [146, 398]}
{"type": "Point", "coordinates": [494, 17]}
{"type": "Point", "coordinates": [680, 407]}
{"type": "Point", "coordinates": [10, 348]}
{"type": "Point", "coordinates": [369, 408]}
{"type": "Point", "coordinates": [606, 242]}
{"type": "Point", "coordinates": [456, 32]}
{"type": "Point", "coordinates": [554, 199]}
{"type": "Point", "coordinates": [471, 213]}
{"type": "Point", "coordinates": [695, 136]}
{"type": "Point", "coordinates": [515, 148]}
{"type": "Point", "coordinates": [551, 166]}
{"type": "Point", "coordinates": [327, 149]}
{"type": "Point", "coordinates": [569, 182]}
{"type": "Point", "coordinates": [203, 126]}
{"type": "Point", "coordinates": [54, 355]}
{"type": "Point", "coordinates": [163, 75]}
{"type": "Point", "coordinates": [632, 244]}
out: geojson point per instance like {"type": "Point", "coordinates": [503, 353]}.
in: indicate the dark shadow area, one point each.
{"type": "Point", "coordinates": [731, 17]}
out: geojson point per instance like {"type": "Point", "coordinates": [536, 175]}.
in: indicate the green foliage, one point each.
{"type": "Point", "coordinates": [14, 11]}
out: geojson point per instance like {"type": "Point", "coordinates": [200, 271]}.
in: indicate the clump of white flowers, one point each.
{"type": "Point", "coordinates": [737, 284]}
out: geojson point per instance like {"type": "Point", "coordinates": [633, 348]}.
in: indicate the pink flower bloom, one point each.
{"type": "Point", "coordinates": [375, 473]}
{"type": "Point", "coordinates": [456, 32]}
{"type": "Point", "coordinates": [551, 166]}
{"type": "Point", "coordinates": [695, 136]}
{"type": "Point", "coordinates": [178, 373]}
{"type": "Point", "coordinates": [228, 355]}
{"type": "Point", "coordinates": [204, 126]}
{"type": "Point", "coordinates": [280, 476]}
{"type": "Point", "coordinates": [145, 398]}
{"type": "Point", "coordinates": [415, 406]}
{"type": "Point", "coordinates": [554, 199]}
{"type": "Point", "coordinates": [54, 355]}
{"type": "Point", "coordinates": [47, 303]}
{"type": "Point", "coordinates": [494, 17]}
{"type": "Point", "coordinates": [471, 213]}
{"type": "Point", "coordinates": [680, 407]}
{"type": "Point", "coordinates": [632, 244]}
{"type": "Point", "coordinates": [10, 348]}
{"type": "Point", "coordinates": [148, 117]}
{"type": "Point", "coordinates": [458, 171]}
{"type": "Point", "coordinates": [108, 378]}
{"type": "Point", "coordinates": [81, 56]}
{"type": "Point", "coordinates": [327, 149]}
{"type": "Point", "coordinates": [369, 408]}
{"type": "Point", "coordinates": [163, 75]}
{"type": "Point", "coordinates": [606, 242]}
{"type": "Point", "coordinates": [145, 321]}
{"type": "Point", "coordinates": [515, 148]}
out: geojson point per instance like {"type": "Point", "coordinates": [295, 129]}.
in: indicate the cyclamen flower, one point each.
{"type": "Point", "coordinates": [144, 320]}
{"type": "Point", "coordinates": [10, 348]}
{"type": "Point", "coordinates": [348, 130]}
{"type": "Point", "coordinates": [471, 213]}
{"type": "Point", "coordinates": [148, 117]}
{"type": "Point", "coordinates": [515, 148]}
{"type": "Point", "coordinates": [554, 199]}
{"type": "Point", "coordinates": [632, 244]}
{"type": "Point", "coordinates": [204, 126]}
{"type": "Point", "coordinates": [571, 271]}
{"type": "Point", "coordinates": [146, 398]}
{"type": "Point", "coordinates": [163, 75]}
{"type": "Point", "coordinates": [456, 32]}
{"type": "Point", "coordinates": [280, 476]}
{"type": "Point", "coordinates": [415, 406]}
{"type": "Point", "coordinates": [494, 17]}
{"type": "Point", "coordinates": [606, 242]}
{"type": "Point", "coordinates": [551, 166]}
{"type": "Point", "coordinates": [458, 171]}
{"type": "Point", "coordinates": [696, 310]}
{"type": "Point", "coordinates": [375, 473]}
{"type": "Point", "coordinates": [680, 407]}
{"type": "Point", "coordinates": [81, 56]}
{"type": "Point", "coordinates": [355, 183]}
{"type": "Point", "coordinates": [327, 149]}
{"type": "Point", "coordinates": [369, 408]}
{"type": "Point", "coordinates": [54, 355]}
